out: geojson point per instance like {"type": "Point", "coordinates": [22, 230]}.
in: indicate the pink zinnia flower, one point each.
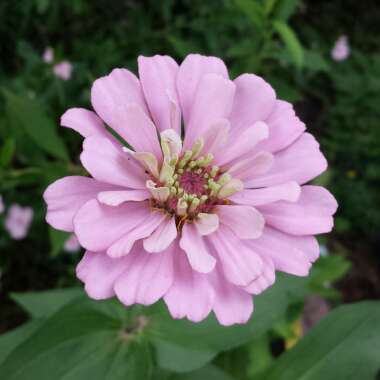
{"type": "Point", "coordinates": [341, 49]}
{"type": "Point", "coordinates": [203, 220]}
{"type": "Point", "coordinates": [71, 244]}
{"type": "Point", "coordinates": [18, 221]}
{"type": "Point", "coordinates": [63, 70]}
{"type": "Point", "coordinates": [48, 56]}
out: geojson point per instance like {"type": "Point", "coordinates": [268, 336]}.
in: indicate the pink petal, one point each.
{"type": "Point", "coordinates": [256, 197]}
{"type": "Point", "coordinates": [284, 128]}
{"type": "Point", "coordinates": [124, 245]}
{"type": "Point", "coordinates": [190, 295]}
{"type": "Point", "coordinates": [135, 127]}
{"type": "Point", "coordinates": [300, 162]}
{"type": "Point", "coordinates": [108, 164]}
{"type": "Point", "coordinates": [66, 196]}
{"type": "Point", "coordinates": [249, 168]}
{"type": "Point", "coordinates": [99, 272]}
{"type": "Point", "coordinates": [240, 264]}
{"type": "Point", "coordinates": [246, 142]}
{"type": "Point", "coordinates": [206, 224]}
{"type": "Point", "coordinates": [117, 89]}
{"type": "Point", "coordinates": [287, 252]}
{"type": "Point", "coordinates": [197, 253]}
{"type": "Point", "coordinates": [245, 221]}
{"type": "Point", "coordinates": [158, 80]}
{"type": "Point", "coordinates": [162, 237]}
{"type": "Point", "coordinates": [312, 214]}
{"type": "Point", "coordinates": [212, 102]}
{"type": "Point", "coordinates": [254, 101]}
{"type": "Point", "coordinates": [98, 226]}
{"type": "Point", "coordinates": [192, 70]}
{"type": "Point", "coordinates": [216, 137]}
{"type": "Point", "coordinates": [231, 304]}
{"type": "Point", "coordinates": [85, 122]}
{"type": "Point", "coordinates": [147, 279]}
{"type": "Point", "coordinates": [309, 246]}
{"type": "Point", "coordinates": [117, 197]}
{"type": "Point", "coordinates": [266, 278]}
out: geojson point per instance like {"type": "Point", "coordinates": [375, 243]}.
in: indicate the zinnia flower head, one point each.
{"type": "Point", "coordinates": [18, 220]}
{"type": "Point", "coordinates": [341, 49]}
{"type": "Point", "coordinates": [63, 70]}
{"type": "Point", "coordinates": [207, 201]}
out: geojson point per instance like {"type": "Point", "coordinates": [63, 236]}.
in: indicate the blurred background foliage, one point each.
{"type": "Point", "coordinates": [288, 42]}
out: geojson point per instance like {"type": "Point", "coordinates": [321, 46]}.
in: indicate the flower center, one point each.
{"type": "Point", "coordinates": [189, 184]}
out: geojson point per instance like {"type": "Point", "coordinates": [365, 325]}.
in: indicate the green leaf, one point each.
{"type": "Point", "coordinates": [57, 240]}
{"type": "Point", "coordinates": [253, 10]}
{"type": "Point", "coordinates": [285, 9]}
{"type": "Point", "coordinates": [180, 345]}
{"type": "Point", "coordinates": [43, 304]}
{"type": "Point", "coordinates": [345, 345]}
{"type": "Point", "coordinates": [269, 5]}
{"type": "Point", "coordinates": [7, 152]}
{"type": "Point", "coordinates": [80, 341]}
{"type": "Point", "coordinates": [291, 42]}
{"type": "Point", "coordinates": [9, 341]}
{"type": "Point", "coordinates": [207, 373]}
{"type": "Point", "coordinates": [193, 345]}
{"type": "Point", "coordinates": [329, 269]}
{"type": "Point", "coordinates": [315, 61]}
{"type": "Point", "coordinates": [183, 47]}
{"type": "Point", "coordinates": [30, 115]}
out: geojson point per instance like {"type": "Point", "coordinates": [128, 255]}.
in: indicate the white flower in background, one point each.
{"type": "Point", "coordinates": [48, 56]}
{"type": "Point", "coordinates": [18, 221]}
{"type": "Point", "coordinates": [63, 70]}
{"type": "Point", "coordinates": [2, 208]}
{"type": "Point", "coordinates": [341, 49]}
{"type": "Point", "coordinates": [71, 244]}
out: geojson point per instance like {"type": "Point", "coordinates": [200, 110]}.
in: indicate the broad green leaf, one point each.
{"type": "Point", "coordinates": [80, 341]}
{"type": "Point", "coordinates": [202, 341]}
{"type": "Point", "coordinates": [57, 240]}
{"type": "Point", "coordinates": [253, 10]}
{"type": "Point", "coordinates": [30, 115]}
{"type": "Point", "coordinates": [207, 373]}
{"type": "Point", "coordinates": [10, 340]}
{"type": "Point", "coordinates": [43, 304]}
{"type": "Point", "coordinates": [260, 357]}
{"type": "Point", "coordinates": [291, 42]}
{"type": "Point", "coordinates": [345, 345]}
{"type": "Point", "coordinates": [179, 345]}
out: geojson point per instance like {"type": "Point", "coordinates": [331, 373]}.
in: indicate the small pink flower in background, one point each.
{"type": "Point", "coordinates": [2, 207]}
{"type": "Point", "coordinates": [71, 244]}
{"type": "Point", "coordinates": [341, 49]}
{"type": "Point", "coordinates": [202, 221]}
{"type": "Point", "coordinates": [63, 70]}
{"type": "Point", "coordinates": [48, 56]}
{"type": "Point", "coordinates": [18, 220]}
